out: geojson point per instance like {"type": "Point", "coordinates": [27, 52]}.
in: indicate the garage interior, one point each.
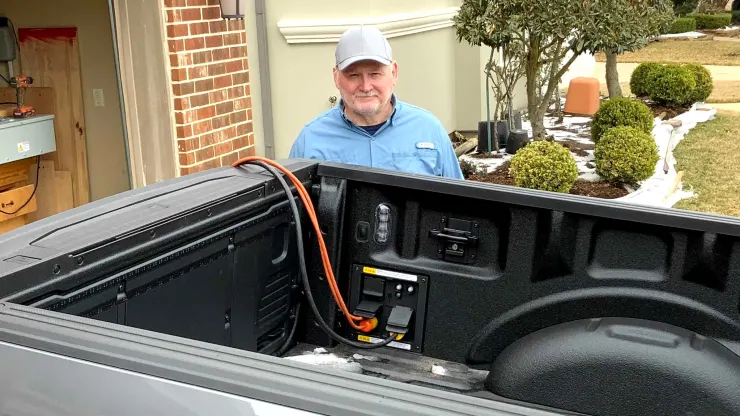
{"type": "Point", "coordinates": [66, 49]}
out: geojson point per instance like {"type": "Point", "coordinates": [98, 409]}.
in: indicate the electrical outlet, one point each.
{"type": "Point", "coordinates": [98, 97]}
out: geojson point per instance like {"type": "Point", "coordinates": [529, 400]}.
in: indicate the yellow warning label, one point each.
{"type": "Point", "coordinates": [364, 338]}
{"type": "Point", "coordinates": [369, 270]}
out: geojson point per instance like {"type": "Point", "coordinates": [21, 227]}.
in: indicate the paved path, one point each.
{"type": "Point", "coordinates": [727, 107]}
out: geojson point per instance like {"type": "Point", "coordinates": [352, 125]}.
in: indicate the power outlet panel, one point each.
{"type": "Point", "coordinates": [98, 97]}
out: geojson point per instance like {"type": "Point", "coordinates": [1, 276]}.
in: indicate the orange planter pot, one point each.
{"type": "Point", "coordinates": [583, 96]}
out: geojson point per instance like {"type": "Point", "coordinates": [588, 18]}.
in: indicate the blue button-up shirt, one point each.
{"type": "Point", "coordinates": [412, 140]}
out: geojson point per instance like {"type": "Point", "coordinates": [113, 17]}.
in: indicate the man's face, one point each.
{"type": "Point", "coordinates": [366, 86]}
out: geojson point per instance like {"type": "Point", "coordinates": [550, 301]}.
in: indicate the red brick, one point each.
{"type": "Point", "coordinates": [218, 96]}
{"type": "Point", "coordinates": [222, 81]}
{"type": "Point", "coordinates": [234, 66]}
{"type": "Point", "coordinates": [204, 85]}
{"type": "Point", "coordinates": [205, 153]}
{"type": "Point", "coordinates": [245, 63]}
{"type": "Point", "coordinates": [240, 78]}
{"type": "Point", "coordinates": [214, 41]}
{"type": "Point", "coordinates": [238, 117]}
{"type": "Point", "coordinates": [194, 43]}
{"type": "Point", "coordinates": [191, 14]}
{"type": "Point", "coordinates": [243, 104]}
{"type": "Point", "coordinates": [182, 104]}
{"type": "Point", "coordinates": [184, 132]}
{"type": "Point", "coordinates": [179, 117]}
{"type": "Point", "coordinates": [247, 152]}
{"type": "Point", "coordinates": [174, 16]}
{"type": "Point", "coordinates": [220, 54]}
{"type": "Point", "coordinates": [229, 133]}
{"type": "Point", "coordinates": [211, 164]}
{"type": "Point", "coordinates": [212, 12]}
{"type": "Point", "coordinates": [202, 127]}
{"type": "Point", "coordinates": [235, 24]}
{"type": "Point", "coordinates": [187, 158]}
{"type": "Point", "coordinates": [220, 122]}
{"type": "Point", "coordinates": [224, 148]}
{"type": "Point", "coordinates": [232, 39]}
{"type": "Point", "coordinates": [187, 145]}
{"type": "Point", "coordinates": [206, 112]}
{"type": "Point", "coordinates": [241, 142]}
{"type": "Point", "coordinates": [242, 130]}
{"type": "Point", "coordinates": [198, 72]}
{"type": "Point", "coordinates": [249, 127]}
{"type": "Point", "coordinates": [178, 30]}
{"type": "Point", "coordinates": [216, 69]}
{"type": "Point", "coordinates": [199, 28]}
{"type": "Point", "coordinates": [180, 74]}
{"type": "Point", "coordinates": [197, 2]}
{"type": "Point", "coordinates": [200, 100]}
{"type": "Point", "coordinates": [238, 52]}
{"type": "Point", "coordinates": [184, 88]}
{"type": "Point", "coordinates": [190, 169]}
{"type": "Point", "coordinates": [237, 92]}
{"type": "Point", "coordinates": [176, 45]}
{"type": "Point", "coordinates": [227, 160]}
{"type": "Point", "coordinates": [226, 107]}
{"type": "Point", "coordinates": [244, 37]}
{"type": "Point", "coordinates": [202, 57]}
{"type": "Point", "coordinates": [214, 2]}
{"type": "Point", "coordinates": [247, 90]}
{"type": "Point", "coordinates": [217, 26]}
{"type": "Point", "coordinates": [207, 140]}
{"type": "Point", "coordinates": [174, 3]}
{"type": "Point", "coordinates": [249, 114]}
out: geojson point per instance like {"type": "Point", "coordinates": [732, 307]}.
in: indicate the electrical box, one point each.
{"type": "Point", "coordinates": [8, 48]}
{"type": "Point", "coordinates": [21, 138]}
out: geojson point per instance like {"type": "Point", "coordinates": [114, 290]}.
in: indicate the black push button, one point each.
{"type": "Point", "coordinates": [367, 309]}
{"type": "Point", "coordinates": [363, 230]}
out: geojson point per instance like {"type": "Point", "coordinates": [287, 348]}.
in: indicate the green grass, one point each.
{"type": "Point", "coordinates": [710, 159]}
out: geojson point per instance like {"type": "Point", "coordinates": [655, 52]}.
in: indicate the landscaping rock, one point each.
{"type": "Point", "coordinates": [673, 123]}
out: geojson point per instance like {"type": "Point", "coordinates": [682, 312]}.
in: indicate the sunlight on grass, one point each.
{"type": "Point", "coordinates": [710, 159]}
{"type": "Point", "coordinates": [705, 52]}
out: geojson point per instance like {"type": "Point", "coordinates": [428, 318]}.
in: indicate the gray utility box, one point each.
{"type": "Point", "coordinates": [21, 138]}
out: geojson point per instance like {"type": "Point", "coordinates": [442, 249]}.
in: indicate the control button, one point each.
{"type": "Point", "coordinates": [373, 287]}
{"type": "Point", "coordinates": [410, 289]}
{"type": "Point", "coordinates": [399, 287]}
{"type": "Point", "coordinates": [363, 230]}
{"type": "Point", "coordinates": [398, 295]}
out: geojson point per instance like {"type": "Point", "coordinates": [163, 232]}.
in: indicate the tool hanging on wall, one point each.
{"type": "Point", "coordinates": [9, 49]}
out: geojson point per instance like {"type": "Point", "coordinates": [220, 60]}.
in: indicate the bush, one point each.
{"type": "Point", "coordinates": [736, 16]}
{"type": "Point", "coordinates": [639, 77]}
{"type": "Point", "coordinates": [683, 25]}
{"type": "Point", "coordinates": [627, 155]}
{"type": "Point", "coordinates": [712, 21]}
{"type": "Point", "coordinates": [621, 111]}
{"type": "Point", "coordinates": [684, 7]}
{"type": "Point", "coordinates": [672, 85]}
{"type": "Point", "coordinates": [544, 165]}
{"type": "Point", "coordinates": [704, 85]}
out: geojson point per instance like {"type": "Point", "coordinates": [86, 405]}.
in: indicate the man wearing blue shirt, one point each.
{"type": "Point", "coordinates": [370, 126]}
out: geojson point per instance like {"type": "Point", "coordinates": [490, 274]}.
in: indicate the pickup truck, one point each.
{"type": "Point", "coordinates": [301, 287]}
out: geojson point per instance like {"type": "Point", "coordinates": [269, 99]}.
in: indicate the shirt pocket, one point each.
{"type": "Point", "coordinates": [422, 161]}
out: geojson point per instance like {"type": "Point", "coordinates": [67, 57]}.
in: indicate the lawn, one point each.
{"type": "Point", "coordinates": [723, 92]}
{"type": "Point", "coordinates": [705, 52]}
{"type": "Point", "coordinates": [709, 157]}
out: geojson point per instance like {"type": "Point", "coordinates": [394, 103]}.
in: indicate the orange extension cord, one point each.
{"type": "Point", "coordinates": [365, 325]}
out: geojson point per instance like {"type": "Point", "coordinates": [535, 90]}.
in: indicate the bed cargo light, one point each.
{"type": "Point", "coordinates": [233, 9]}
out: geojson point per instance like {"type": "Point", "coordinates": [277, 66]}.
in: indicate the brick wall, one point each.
{"type": "Point", "coordinates": [210, 85]}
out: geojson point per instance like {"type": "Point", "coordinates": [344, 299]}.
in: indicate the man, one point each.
{"type": "Point", "coordinates": [370, 126]}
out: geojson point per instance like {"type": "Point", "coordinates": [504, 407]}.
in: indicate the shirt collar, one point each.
{"type": "Point", "coordinates": [394, 101]}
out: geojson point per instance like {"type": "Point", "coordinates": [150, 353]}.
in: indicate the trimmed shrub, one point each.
{"type": "Point", "coordinates": [683, 25]}
{"type": "Point", "coordinates": [621, 111]}
{"type": "Point", "coordinates": [736, 16]}
{"type": "Point", "coordinates": [639, 77]}
{"type": "Point", "coordinates": [672, 85]}
{"type": "Point", "coordinates": [704, 85]}
{"type": "Point", "coordinates": [712, 21]}
{"type": "Point", "coordinates": [626, 155]}
{"type": "Point", "coordinates": [544, 165]}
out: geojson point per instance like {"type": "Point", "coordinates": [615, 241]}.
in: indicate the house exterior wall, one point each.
{"type": "Point", "coordinates": [211, 89]}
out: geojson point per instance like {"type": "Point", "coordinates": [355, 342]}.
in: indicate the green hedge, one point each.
{"type": "Point", "coordinates": [712, 21]}
{"type": "Point", "coordinates": [626, 155]}
{"type": "Point", "coordinates": [544, 165]}
{"type": "Point", "coordinates": [672, 85]}
{"type": "Point", "coordinates": [621, 111]}
{"type": "Point", "coordinates": [736, 16]}
{"type": "Point", "coordinates": [641, 75]}
{"type": "Point", "coordinates": [704, 84]}
{"type": "Point", "coordinates": [683, 25]}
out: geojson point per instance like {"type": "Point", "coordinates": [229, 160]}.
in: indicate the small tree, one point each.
{"type": "Point", "coordinates": [547, 30]}
{"type": "Point", "coordinates": [641, 20]}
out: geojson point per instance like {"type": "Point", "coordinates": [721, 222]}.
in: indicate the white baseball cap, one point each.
{"type": "Point", "coordinates": [362, 43]}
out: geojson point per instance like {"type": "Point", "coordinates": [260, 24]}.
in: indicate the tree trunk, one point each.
{"type": "Point", "coordinates": [612, 76]}
{"type": "Point", "coordinates": [536, 117]}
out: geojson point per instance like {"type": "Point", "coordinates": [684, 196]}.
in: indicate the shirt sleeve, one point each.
{"type": "Point", "coordinates": [450, 164]}
{"type": "Point", "coordinates": [297, 150]}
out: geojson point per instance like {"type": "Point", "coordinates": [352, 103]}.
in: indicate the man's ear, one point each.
{"type": "Point", "coordinates": [336, 76]}
{"type": "Point", "coordinates": [394, 72]}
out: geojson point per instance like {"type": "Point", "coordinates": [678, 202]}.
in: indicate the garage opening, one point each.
{"type": "Point", "coordinates": [63, 142]}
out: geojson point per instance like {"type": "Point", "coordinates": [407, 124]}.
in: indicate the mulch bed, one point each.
{"type": "Point", "coordinates": [663, 111]}
{"type": "Point", "coordinates": [602, 190]}
{"type": "Point", "coordinates": [577, 147]}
